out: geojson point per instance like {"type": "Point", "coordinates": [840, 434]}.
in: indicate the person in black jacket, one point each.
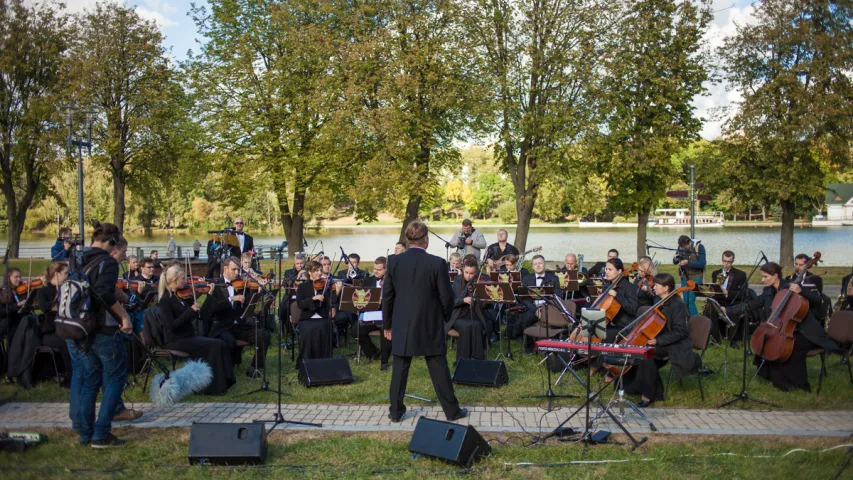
{"type": "Point", "coordinates": [791, 374]}
{"type": "Point", "coordinates": [315, 325]}
{"type": "Point", "coordinates": [54, 275]}
{"type": "Point", "coordinates": [468, 318]}
{"type": "Point", "coordinates": [673, 342]}
{"type": "Point", "coordinates": [246, 242]}
{"type": "Point", "coordinates": [11, 304]}
{"type": "Point", "coordinates": [362, 331]}
{"type": "Point", "coordinates": [539, 278]}
{"type": "Point", "coordinates": [178, 317]}
{"type": "Point", "coordinates": [416, 302]}
{"type": "Point", "coordinates": [732, 281]}
{"type": "Point", "coordinates": [224, 318]}
{"type": "Point", "coordinates": [625, 293]}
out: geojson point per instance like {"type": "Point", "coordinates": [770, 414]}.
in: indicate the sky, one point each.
{"type": "Point", "coordinates": [173, 19]}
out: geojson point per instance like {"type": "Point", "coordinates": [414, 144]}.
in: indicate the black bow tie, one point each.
{"type": "Point", "coordinates": [540, 278]}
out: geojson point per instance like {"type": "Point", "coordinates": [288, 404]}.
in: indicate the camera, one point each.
{"type": "Point", "coordinates": [462, 238]}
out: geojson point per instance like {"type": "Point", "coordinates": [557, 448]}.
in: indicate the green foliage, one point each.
{"type": "Point", "coordinates": [506, 212]}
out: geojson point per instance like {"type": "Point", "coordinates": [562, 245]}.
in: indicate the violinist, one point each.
{"type": "Point", "coordinates": [791, 374]}
{"type": "Point", "coordinates": [645, 282]}
{"type": "Point", "coordinates": [11, 303]}
{"type": "Point", "coordinates": [468, 318]}
{"type": "Point", "coordinates": [625, 293]}
{"type": "Point", "coordinates": [363, 331]}
{"type": "Point", "coordinates": [298, 272]}
{"type": "Point", "coordinates": [54, 275]}
{"type": "Point", "coordinates": [315, 329]}
{"type": "Point", "coordinates": [732, 281]}
{"type": "Point", "coordinates": [539, 278]}
{"type": "Point", "coordinates": [223, 313]}
{"type": "Point", "coordinates": [673, 342]}
{"type": "Point", "coordinates": [178, 318]}
{"type": "Point", "coordinates": [146, 272]}
{"type": "Point", "coordinates": [132, 268]}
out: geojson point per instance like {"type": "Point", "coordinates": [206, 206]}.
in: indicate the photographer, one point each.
{"type": "Point", "coordinates": [468, 240]}
{"type": "Point", "coordinates": [690, 258]}
{"type": "Point", "coordinates": [62, 248]}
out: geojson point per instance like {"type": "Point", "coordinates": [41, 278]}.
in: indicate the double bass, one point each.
{"type": "Point", "coordinates": [647, 326]}
{"type": "Point", "coordinates": [773, 339]}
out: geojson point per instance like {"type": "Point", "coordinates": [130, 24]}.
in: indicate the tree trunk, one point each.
{"type": "Point", "coordinates": [118, 197]}
{"type": "Point", "coordinates": [763, 213]}
{"type": "Point", "coordinates": [413, 208]}
{"type": "Point", "coordinates": [293, 222]}
{"type": "Point", "coordinates": [786, 244]}
{"type": "Point", "coordinates": [642, 231]}
{"type": "Point", "coordinates": [16, 227]}
{"type": "Point", "coordinates": [524, 211]}
{"type": "Point", "coordinates": [750, 214]}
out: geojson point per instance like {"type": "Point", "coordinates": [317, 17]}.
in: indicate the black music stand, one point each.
{"type": "Point", "coordinates": [264, 300]}
{"type": "Point", "coordinates": [354, 298]}
{"type": "Point", "coordinates": [712, 300]}
{"type": "Point", "coordinates": [494, 293]}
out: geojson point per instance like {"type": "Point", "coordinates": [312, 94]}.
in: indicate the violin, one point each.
{"type": "Point", "coordinates": [320, 284]}
{"type": "Point", "coordinates": [131, 284]}
{"type": "Point", "coordinates": [187, 291]}
{"type": "Point", "coordinates": [27, 286]}
{"type": "Point", "coordinates": [243, 284]}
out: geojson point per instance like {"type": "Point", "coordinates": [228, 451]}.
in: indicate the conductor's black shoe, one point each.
{"type": "Point", "coordinates": [384, 367]}
{"type": "Point", "coordinates": [463, 412]}
{"type": "Point", "coordinates": [395, 420]}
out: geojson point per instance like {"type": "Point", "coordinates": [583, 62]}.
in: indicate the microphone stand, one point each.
{"type": "Point", "coordinates": [744, 394]}
{"type": "Point", "coordinates": [446, 244]}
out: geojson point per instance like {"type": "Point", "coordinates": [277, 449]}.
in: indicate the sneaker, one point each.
{"type": "Point", "coordinates": [127, 415]}
{"type": "Point", "coordinates": [109, 442]}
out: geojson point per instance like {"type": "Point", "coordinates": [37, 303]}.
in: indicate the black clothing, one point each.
{"type": "Point", "coordinates": [673, 342]}
{"type": "Point", "coordinates": [362, 332]}
{"type": "Point", "coordinates": [626, 295]}
{"type": "Point", "coordinates": [735, 294]}
{"type": "Point", "coordinates": [528, 318]}
{"type": "Point", "coordinates": [46, 301]}
{"type": "Point", "coordinates": [315, 334]}
{"type": "Point", "coordinates": [308, 306]}
{"type": "Point", "coordinates": [179, 334]}
{"type": "Point", "coordinates": [644, 298]}
{"type": "Point", "coordinates": [734, 284]}
{"type": "Point", "coordinates": [223, 319]}
{"type": "Point", "coordinates": [470, 322]}
{"type": "Point", "coordinates": [103, 281]}
{"type": "Point", "coordinates": [417, 299]}
{"type": "Point", "coordinates": [790, 374]}
{"type": "Point", "coordinates": [494, 251]}
{"type": "Point", "coordinates": [248, 244]}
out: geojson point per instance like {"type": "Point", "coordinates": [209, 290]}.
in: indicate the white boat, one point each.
{"type": "Point", "coordinates": [680, 217]}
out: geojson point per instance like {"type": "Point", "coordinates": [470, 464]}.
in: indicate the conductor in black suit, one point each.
{"type": "Point", "coordinates": [417, 300]}
{"type": "Point", "coordinates": [732, 281]}
{"type": "Point", "coordinates": [246, 242]}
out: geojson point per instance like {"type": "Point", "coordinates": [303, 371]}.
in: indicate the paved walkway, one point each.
{"type": "Point", "coordinates": [490, 419]}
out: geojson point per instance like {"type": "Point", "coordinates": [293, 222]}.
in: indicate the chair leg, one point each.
{"type": "Point", "coordinates": [701, 390]}
{"type": "Point", "coordinates": [147, 367]}
{"type": "Point", "coordinates": [668, 383]}
{"type": "Point", "coordinates": [55, 368]}
{"type": "Point", "coordinates": [822, 370]}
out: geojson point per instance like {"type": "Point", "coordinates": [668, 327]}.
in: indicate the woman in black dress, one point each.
{"type": "Point", "coordinates": [315, 324]}
{"type": "Point", "coordinates": [673, 342]}
{"type": "Point", "coordinates": [625, 293]}
{"type": "Point", "coordinates": [644, 282]}
{"type": "Point", "coordinates": [467, 317]}
{"type": "Point", "coordinates": [11, 304]}
{"type": "Point", "coordinates": [792, 374]}
{"type": "Point", "coordinates": [54, 275]}
{"type": "Point", "coordinates": [178, 316]}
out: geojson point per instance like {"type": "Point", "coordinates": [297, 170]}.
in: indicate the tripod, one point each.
{"type": "Point", "coordinates": [744, 394]}
{"type": "Point", "coordinates": [550, 395]}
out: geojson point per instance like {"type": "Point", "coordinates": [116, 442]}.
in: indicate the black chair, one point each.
{"type": "Point", "coordinates": [153, 340]}
{"type": "Point", "coordinates": [699, 329]}
{"type": "Point", "coordinates": [43, 350]}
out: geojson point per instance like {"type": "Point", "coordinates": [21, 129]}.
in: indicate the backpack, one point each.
{"type": "Point", "coordinates": [75, 316]}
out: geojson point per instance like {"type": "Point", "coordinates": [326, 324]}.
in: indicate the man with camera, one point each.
{"type": "Point", "coordinates": [61, 250]}
{"type": "Point", "coordinates": [468, 240]}
{"type": "Point", "coordinates": [690, 258]}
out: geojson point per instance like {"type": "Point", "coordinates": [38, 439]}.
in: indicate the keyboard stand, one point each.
{"type": "Point", "coordinates": [621, 401]}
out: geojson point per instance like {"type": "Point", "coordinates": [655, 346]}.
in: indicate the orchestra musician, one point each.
{"type": "Point", "coordinates": [455, 264]}
{"type": "Point", "coordinates": [690, 258]}
{"type": "Point", "coordinates": [146, 272]}
{"type": "Point", "coordinates": [399, 248]}
{"type": "Point", "coordinates": [155, 257]}
{"type": "Point", "coordinates": [54, 275]}
{"type": "Point", "coordinates": [846, 296]}
{"type": "Point", "coordinates": [345, 320]}
{"type": "Point", "coordinates": [11, 304]}
{"type": "Point", "coordinates": [325, 266]}
{"type": "Point", "coordinates": [539, 278]}
{"type": "Point", "coordinates": [732, 281]}
{"type": "Point", "coordinates": [645, 282]}
{"type": "Point", "coordinates": [247, 272]}
{"type": "Point", "coordinates": [571, 263]}
{"type": "Point", "coordinates": [625, 293]}
{"type": "Point", "coordinates": [499, 250]}
{"type": "Point", "coordinates": [132, 268]}
{"type": "Point", "coordinates": [468, 318]}
{"type": "Point", "coordinates": [511, 265]}
{"type": "Point", "coordinates": [179, 317]}
{"type": "Point", "coordinates": [468, 240]}
{"type": "Point", "coordinates": [597, 270]}
{"type": "Point", "coordinates": [213, 266]}
{"type": "Point", "coordinates": [672, 344]}
{"type": "Point", "coordinates": [362, 332]}
{"type": "Point", "coordinates": [791, 374]}
{"type": "Point", "coordinates": [291, 275]}
{"type": "Point", "coordinates": [225, 318]}
{"type": "Point", "coordinates": [315, 327]}
{"type": "Point", "coordinates": [246, 242]}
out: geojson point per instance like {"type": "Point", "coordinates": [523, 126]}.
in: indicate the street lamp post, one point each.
{"type": "Point", "coordinates": [89, 120]}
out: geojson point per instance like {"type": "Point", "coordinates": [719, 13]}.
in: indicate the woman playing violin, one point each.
{"type": "Point", "coordinates": [673, 342]}
{"type": "Point", "coordinates": [468, 318]}
{"type": "Point", "coordinates": [11, 303]}
{"type": "Point", "coordinates": [178, 318]}
{"type": "Point", "coordinates": [315, 327]}
{"type": "Point", "coordinates": [625, 293]}
{"type": "Point", "coordinates": [645, 282]}
{"type": "Point", "coordinates": [791, 374]}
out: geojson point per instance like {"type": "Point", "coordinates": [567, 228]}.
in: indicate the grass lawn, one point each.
{"type": "Point", "coordinates": [161, 453]}
{"type": "Point", "coordinates": [526, 378]}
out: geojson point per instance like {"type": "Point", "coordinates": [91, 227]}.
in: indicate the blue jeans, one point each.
{"type": "Point", "coordinates": [690, 297]}
{"type": "Point", "coordinates": [104, 364]}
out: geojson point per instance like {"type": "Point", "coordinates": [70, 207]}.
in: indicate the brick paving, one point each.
{"type": "Point", "coordinates": [490, 419]}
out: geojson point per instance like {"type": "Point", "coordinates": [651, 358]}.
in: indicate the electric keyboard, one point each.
{"type": "Point", "coordinates": [563, 346]}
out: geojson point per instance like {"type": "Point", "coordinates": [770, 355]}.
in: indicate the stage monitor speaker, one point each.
{"type": "Point", "coordinates": [227, 444]}
{"type": "Point", "coordinates": [452, 443]}
{"type": "Point", "coordinates": [487, 373]}
{"type": "Point", "coordinates": [325, 371]}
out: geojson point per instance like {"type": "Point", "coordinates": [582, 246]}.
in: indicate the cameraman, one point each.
{"type": "Point", "coordinates": [467, 240]}
{"type": "Point", "coordinates": [61, 250]}
{"type": "Point", "coordinates": [690, 258]}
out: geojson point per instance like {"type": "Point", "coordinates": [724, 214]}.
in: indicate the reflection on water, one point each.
{"type": "Point", "coordinates": [369, 242]}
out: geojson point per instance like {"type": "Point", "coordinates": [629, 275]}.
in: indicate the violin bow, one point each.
{"type": "Point", "coordinates": [192, 282]}
{"type": "Point", "coordinates": [30, 277]}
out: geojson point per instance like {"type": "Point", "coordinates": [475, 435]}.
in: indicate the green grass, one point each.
{"type": "Point", "coordinates": [161, 453]}
{"type": "Point", "coordinates": [526, 378]}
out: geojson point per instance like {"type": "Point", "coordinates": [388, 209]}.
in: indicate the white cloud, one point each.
{"type": "Point", "coordinates": [158, 17]}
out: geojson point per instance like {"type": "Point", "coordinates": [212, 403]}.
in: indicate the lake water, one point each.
{"type": "Point", "coordinates": [835, 243]}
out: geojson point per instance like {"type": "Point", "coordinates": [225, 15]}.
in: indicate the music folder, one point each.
{"type": "Point", "coordinates": [505, 277]}
{"type": "Point", "coordinates": [494, 292]}
{"type": "Point", "coordinates": [529, 293]}
{"type": "Point", "coordinates": [568, 280]}
{"type": "Point", "coordinates": [372, 317]}
{"type": "Point", "coordinates": [360, 299]}
{"type": "Point", "coordinates": [709, 290]}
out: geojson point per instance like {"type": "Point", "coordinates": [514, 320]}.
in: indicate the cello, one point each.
{"type": "Point", "coordinates": [646, 327]}
{"type": "Point", "coordinates": [608, 303]}
{"type": "Point", "coordinates": [773, 339]}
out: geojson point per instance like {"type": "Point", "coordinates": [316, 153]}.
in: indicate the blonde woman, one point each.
{"type": "Point", "coordinates": [645, 282]}
{"type": "Point", "coordinates": [178, 316]}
